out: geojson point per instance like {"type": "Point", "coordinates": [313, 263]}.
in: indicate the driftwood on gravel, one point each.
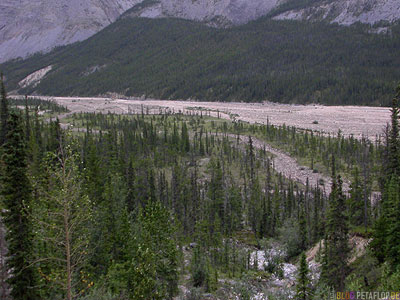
{"type": "Point", "coordinates": [350, 120]}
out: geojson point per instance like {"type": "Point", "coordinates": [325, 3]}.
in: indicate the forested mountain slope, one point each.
{"type": "Point", "coordinates": [283, 61]}
{"type": "Point", "coordinates": [30, 26]}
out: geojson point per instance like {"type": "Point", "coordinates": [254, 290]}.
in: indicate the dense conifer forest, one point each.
{"type": "Point", "coordinates": [281, 61]}
{"type": "Point", "coordinates": [141, 206]}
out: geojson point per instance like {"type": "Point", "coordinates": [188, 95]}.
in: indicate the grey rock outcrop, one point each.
{"type": "Point", "coordinates": [30, 26]}
{"type": "Point", "coordinates": [212, 12]}
{"type": "Point", "coordinates": [347, 12]}
{"type": "Point", "coordinates": [234, 12]}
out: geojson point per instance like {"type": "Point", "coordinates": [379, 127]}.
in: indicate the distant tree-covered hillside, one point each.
{"type": "Point", "coordinates": [282, 61]}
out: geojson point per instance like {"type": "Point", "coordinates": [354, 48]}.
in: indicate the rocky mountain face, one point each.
{"type": "Point", "coordinates": [234, 12]}
{"type": "Point", "coordinates": [218, 13]}
{"type": "Point", "coordinates": [30, 26]}
{"type": "Point", "coordinates": [347, 12]}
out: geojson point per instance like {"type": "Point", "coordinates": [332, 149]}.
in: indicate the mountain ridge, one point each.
{"type": "Point", "coordinates": [45, 24]}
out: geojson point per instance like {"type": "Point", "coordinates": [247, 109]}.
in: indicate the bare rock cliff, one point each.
{"type": "Point", "coordinates": [347, 12]}
{"type": "Point", "coordinates": [29, 26]}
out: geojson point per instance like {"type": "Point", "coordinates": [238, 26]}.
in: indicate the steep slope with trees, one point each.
{"type": "Point", "coordinates": [265, 60]}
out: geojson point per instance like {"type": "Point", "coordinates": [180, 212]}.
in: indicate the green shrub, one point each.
{"type": "Point", "coordinates": [289, 236]}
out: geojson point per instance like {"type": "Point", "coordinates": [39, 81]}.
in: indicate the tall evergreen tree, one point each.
{"type": "Point", "coordinates": [4, 114]}
{"type": "Point", "coordinates": [303, 229]}
{"type": "Point", "coordinates": [185, 143]}
{"type": "Point", "coordinates": [255, 211]}
{"type": "Point", "coordinates": [394, 142]}
{"type": "Point", "coordinates": [355, 201]}
{"type": "Point", "coordinates": [251, 158]}
{"type": "Point", "coordinates": [94, 174]}
{"type": "Point", "coordinates": [387, 219]}
{"type": "Point", "coordinates": [392, 213]}
{"type": "Point", "coordinates": [216, 191]}
{"type": "Point", "coordinates": [303, 287]}
{"type": "Point", "coordinates": [336, 254]}
{"type": "Point", "coordinates": [16, 193]}
{"type": "Point", "coordinates": [27, 121]}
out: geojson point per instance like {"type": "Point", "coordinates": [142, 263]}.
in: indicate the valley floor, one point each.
{"type": "Point", "coordinates": [350, 120]}
{"type": "Point", "coordinates": [269, 264]}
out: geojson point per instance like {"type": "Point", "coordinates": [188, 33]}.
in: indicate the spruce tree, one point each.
{"type": "Point", "coordinates": [251, 158]}
{"type": "Point", "coordinates": [216, 191]}
{"type": "Point", "coordinates": [94, 173]}
{"type": "Point", "coordinates": [394, 143]}
{"type": "Point", "coordinates": [391, 208]}
{"type": "Point", "coordinates": [16, 193]}
{"type": "Point", "coordinates": [303, 287]}
{"type": "Point", "coordinates": [336, 254]}
{"type": "Point", "coordinates": [392, 246]}
{"type": "Point", "coordinates": [303, 230]}
{"type": "Point", "coordinates": [4, 114]}
{"type": "Point", "coordinates": [388, 220]}
{"type": "Point", "coordinates": [27, 121]}
{"type": "Point", "coordinates": [255, 210]}
{"type": "Point", "coordinates": [355, 202]}
{"type": "Point", "coordinates": [185, 143]}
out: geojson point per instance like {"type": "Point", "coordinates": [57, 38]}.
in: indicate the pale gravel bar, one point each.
{"type": "Point", "coordinates": [351, 120]}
